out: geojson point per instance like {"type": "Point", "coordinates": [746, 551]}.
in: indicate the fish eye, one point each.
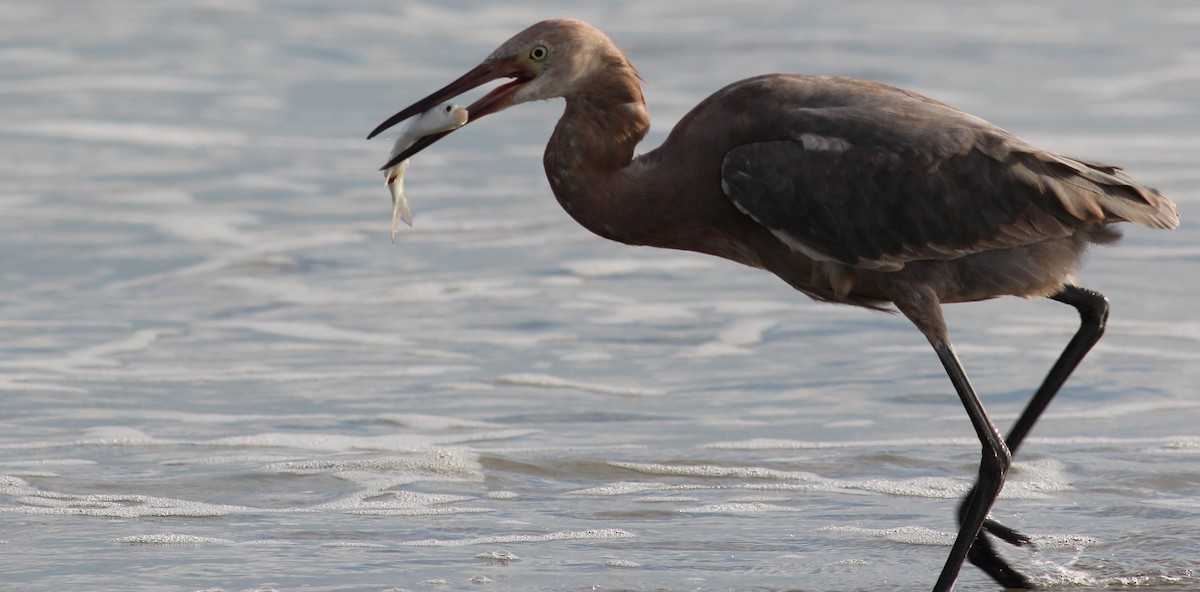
{"type": "Point", "coordinates": [539, 53]}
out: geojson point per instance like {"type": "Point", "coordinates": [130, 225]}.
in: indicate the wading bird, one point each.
{"type": "Point", "coordinates": [850, 191]}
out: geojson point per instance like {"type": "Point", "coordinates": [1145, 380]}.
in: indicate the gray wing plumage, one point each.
{"type": "Point", "coordinates": [906, 178]}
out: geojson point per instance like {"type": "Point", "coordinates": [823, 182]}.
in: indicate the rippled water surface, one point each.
{"type": "Point", "coordinates": [218, 372]}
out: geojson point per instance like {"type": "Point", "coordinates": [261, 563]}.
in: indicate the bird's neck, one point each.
{"type": "Point", "coordinates": [592, 145]}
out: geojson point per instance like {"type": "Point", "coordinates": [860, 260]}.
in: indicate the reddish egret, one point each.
{"type": "Point", "coordinates": [850, 191]}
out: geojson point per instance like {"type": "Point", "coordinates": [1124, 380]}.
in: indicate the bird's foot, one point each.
{"type": "Point", "coordinates": [1006, 534]}
{"type": "Point", "coordinates": [983, 555]}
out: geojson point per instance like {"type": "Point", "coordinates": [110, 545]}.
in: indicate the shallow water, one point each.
{"type": "Point", "coordinates": [219, 373]}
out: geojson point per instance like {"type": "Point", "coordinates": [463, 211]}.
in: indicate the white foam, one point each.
{"type": "Point", "coordinates": [739, 508]}
{"type": "Point", "coordinates": [374, 500]}
{"type": "Point", "coordinates": [713, 471]}
{"type": "Point", "coordinates": [1036, 479]}
{"type": "Point", "coordinates": [666, 499]}
{"type": "Point", "coordinates": [600, 533]}
{"type": "Point", "coordinates": [1065, 541]}
{"type": "Point", "coordinates": [377, 479]}
{"type": "Point", "coordinates": [418, 511]}
{"type": "Point", "coordinates": [117, 436]}
{"type": "Point", "coordinates": [46, 462]}
{"type": "Point", "coordinates": [12, 485]}
{"type": "Point", "coordinates": [1168, 442]}
{"type": "Point", "coordinates": [628, 487]}
{"type": "Point", "coordinates": [120, 506]}
{"type": "Point", "coordinates": [167, 538]}
{"type": "Point", "coordinates": [548, 381]}
{"type": "Point", "coordinates": [253, 459]}
{"type": "Point", "coordinates": [909, 535]}
{"type": "Point", "coordinates": [28, 473]}
{"type": "Point", "coordinates": [503, 557]}
{"type": "Point", "coordinates": [428, 443]}
{"type": "Point", "coordinates": [457, 464]}
{"type": "Point", "coordinates": [1150, 581]}
{"type": "Point", "coordinates": [1033, 480]}
{"type": "Point", "coordinates": [929, 487]}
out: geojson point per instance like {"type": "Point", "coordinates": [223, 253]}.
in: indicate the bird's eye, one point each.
{"type": "Point", "coordinates": [539, 53]}
{"type": "Point", "coordinates": [449, 108]}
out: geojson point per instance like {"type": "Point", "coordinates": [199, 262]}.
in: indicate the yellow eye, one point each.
{"type": "Point", "coordinates": [539, 53]}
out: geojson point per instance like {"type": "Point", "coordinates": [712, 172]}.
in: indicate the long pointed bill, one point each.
{"type": "Point", "coordinates": [496, 100]}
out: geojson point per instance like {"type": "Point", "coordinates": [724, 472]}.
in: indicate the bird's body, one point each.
{"type": "Point", "coordinates": [809, 183]}
{"type": "Point", "coordinates": [850, 191]}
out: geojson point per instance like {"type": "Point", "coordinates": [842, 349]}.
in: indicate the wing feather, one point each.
{"type": "Point", "coordinates": [878, 208]}
{"type": "Point", "coordinates": [874, 176]}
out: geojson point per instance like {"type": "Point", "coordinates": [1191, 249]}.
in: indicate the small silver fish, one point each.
{"type": "Point", "coordinates": [441, 118]}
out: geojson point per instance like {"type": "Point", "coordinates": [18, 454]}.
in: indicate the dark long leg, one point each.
{"type": "Point", "coordinates": [921, 306]}
{"type": "Point", "coordinates": [1093, 315]}
{"type": "Point", "coordinates": [992, 468]}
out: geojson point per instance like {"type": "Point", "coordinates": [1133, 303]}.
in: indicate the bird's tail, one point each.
{"type": "Point", "coordinates": [1102, 192]}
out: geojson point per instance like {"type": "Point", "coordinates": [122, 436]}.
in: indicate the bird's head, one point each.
{"type": "Point", "coordinates": [549, 59]}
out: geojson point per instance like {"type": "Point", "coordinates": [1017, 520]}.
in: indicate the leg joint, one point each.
{"type": "Point", "coordinates": [996, 460]}
{"type": "Point", "coordinates": [1092, 305]}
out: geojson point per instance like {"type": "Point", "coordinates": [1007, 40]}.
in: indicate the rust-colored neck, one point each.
{"type": "Point", "coordinates": [593, 143]}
